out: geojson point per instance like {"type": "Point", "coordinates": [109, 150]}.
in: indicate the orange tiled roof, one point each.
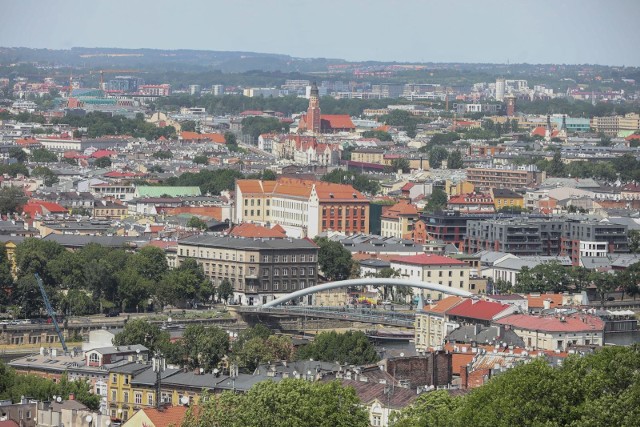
{"type": "Point", "coordinates": [171, 416]}
{"type": "Point", "coordinates": [440, 307]}
{"type": "Point", "coordinates": [195, 136]}
{"type": "Point", "coordinates": [338, 121]}
{"type": "Point", "coordinates": [252, 230]}
{"type": "Point", "coordinates": [326, 191]}
{"type": "Point", "coordinates": [537, 301]}
{"type": "Point", "coordinates": [401, 208]}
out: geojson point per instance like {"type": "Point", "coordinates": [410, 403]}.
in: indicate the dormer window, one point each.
{"type": "Point", "coordinates": [94, 359]}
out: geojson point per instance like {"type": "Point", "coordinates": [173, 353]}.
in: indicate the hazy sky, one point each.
{"type": "Point", "coordinates": [533, 31]}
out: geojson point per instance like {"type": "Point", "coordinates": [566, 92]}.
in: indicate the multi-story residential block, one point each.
{"type": "Point", "coordinates": [303, 208]}
{"type": "Point", "coordinates": [550, 236]}
{"type": "Point", "coordinates": [260, 270]}
{"type": "Point", "coordinates": [486, 178]}
{"type": "Point", "coordinates": [156, 90]}
{"type": "Point", "coordinates": [431, 326]}
{"type": "Point", "coordinates": [435, 269]}
{"type": "Point", "coordinates": [611, 125]}
{"type": "Point", "coordinates": [556, 332]}
{"type": "Point", "coordinates": [471, 203]}
{"type": "Point", "coordinates": [505, 198]}
{"type": "Point", "coordinates": [398, 220]}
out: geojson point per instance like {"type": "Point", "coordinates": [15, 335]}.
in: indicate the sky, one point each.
{"type": "Point", "coordinates": [489, 31]}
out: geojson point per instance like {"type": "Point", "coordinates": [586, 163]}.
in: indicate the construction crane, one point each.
{"type": "Point", "coordinates": [103, 72]}
{"type": "Point", "coordinates": [52, 313]}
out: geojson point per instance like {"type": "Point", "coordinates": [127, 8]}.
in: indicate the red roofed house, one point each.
{"type": "Point", "coordinates": [472, 203]}
{"type": "Point", "coordinates": [35, 208]}
{"type": "Point", "coordinates": [152, 417]}
{"type": "Point", "coordinates": [397, 220]}
{"type": "Point", "coordinates": [316, 123]}
{"type": "Point", "coordinates": [218, 138]}
{"type": "Point", "coordinates": [103, 153]}
{"type": "Point", "coordinates": [437, 269]}
{"type": "Point", "coordinates": [556, 332]}
{"type": "Point", "coordinates": [252, 230]}
{"type": "Point", "coordinates": [476, 311]}
{"type": "Point", "coordinates": [304, 208]}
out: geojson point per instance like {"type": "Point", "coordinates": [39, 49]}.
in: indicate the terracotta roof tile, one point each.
{"type": "Point", "coordinates": [569, 323]}
{"type": "Point", "coordinates": [427, 259]}
{"type": "Point", "coordinates": [478, 309]}
{"type": "Point", "coordinates": [171, 416]}
{"type": "Point", "coordinates": [252, 230]}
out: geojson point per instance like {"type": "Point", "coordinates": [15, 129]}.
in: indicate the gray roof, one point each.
{"type": "Point", "coordinates": [71, 240]}
{"type": "Point", "coordinates": [374, 262]}
{"type": "Point", "coordinates": [591, 263]}
{"type": "Point", "coordinates": [247, 243]}
{"type": "Point", "coordinates": [483, 334]}
{"type": "Point", "coordinates": [120, 349]}
{"type": "Point", "coordinates": [625, 260]}
{"type": "Point", "coordinates": [516, 264]}
{"type": "Point", "coordinates": [489, 257]}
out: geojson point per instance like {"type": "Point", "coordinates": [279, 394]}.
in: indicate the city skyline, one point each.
{"type": "Point", "coordinates": [567, 32]}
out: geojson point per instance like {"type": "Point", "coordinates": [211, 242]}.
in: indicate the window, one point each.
{"type": "Point", "coordinates": [246, 202]}
{"type": "Point", "coordinates": [301, 271]}
{"type": "Point", "coordinates": [294, 258]}
{"type": "Point", "coordinates": [125, 396]}
{"type": "Point", "coordinates": [125, 415]}
{"type": "Point", "coordinates": [265, 272]}
{"type": "Point", "coordinates": [276, 258]}
{"type": "Point", "coordinates": [114, 378]}
{"type": "Point", "coordinates": [126, 379]}
{"type": "Point", "coordinates": [252, 258]}
{"type": "Point", "coordinates": [285, 258]}
{"type": "Point", "coordinates": [302, 258]}
{"type": "Point", "coordinates": [285, 271]}
{"type": "Point", "coordinates": [149, 399]}
{"type": "Point", "coordinates": [265, 258]}
{"type": "Point", "coordinates": [376, 420]}
{"type": "Point", "coordinates": [310, 272]}
{"type": "Point", "coordinates": [138, 398]}
{"type": "Point", "coordinates": [94, 358]}
{"type": "Point", "coordinates": [450, 273]}
{"type": "Point", "coordinates": [311, 258]}
{"type": "Point", "coordinates": [114, 396]}
{"type": "Point", "coordinates": [275, 285]}
{"type": "Point", "coordinates": [439, 273]}
{"type": "Point", "coordinates": [276, 272]}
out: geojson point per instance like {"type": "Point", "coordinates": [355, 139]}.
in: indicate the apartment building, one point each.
{"type": "Point", "coordinates": [486, 178]}
{"type": "Point", "coordinates": [611, 125]}
{"type": "Point", "coordinates": [431, 326]}
{"type": "Point", "coordinates": [259, 269]}
{"type": "Point", "coordinates": [303, 208]}
{"type": "Point", "coordinates": [550, 237]}
{"type": "Point", "coordinates": [435, 269]}
{"type": "Point", "coordinates": [505, 198]}
{"type": "Point", "coordinates": [398, 220]}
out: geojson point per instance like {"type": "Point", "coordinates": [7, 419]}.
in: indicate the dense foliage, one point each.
{"type": "Point", "coordinates": [594, 390]}
{"type": "Point", "coordinates": [333, 259]}
{"type": "Point", "coordinates": [256, 126]}
{"type": "Point", "coordinates": [97, 279]}
{"type": "Point", "coordinates": [100, 124]}
{"type": "Point", "coordinates": [359, 181]}
{"type": "Point", "coordinates": [209, 181]}
{"type": "Point", "coordinates": [351, 347]}
{"type": "Point", "coordinates": [287, 403]}
{"type": "Point", "coordinates": [14, 387]}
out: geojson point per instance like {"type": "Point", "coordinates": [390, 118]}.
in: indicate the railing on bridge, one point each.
{"type": "Point", "coordinates": [364, 315]}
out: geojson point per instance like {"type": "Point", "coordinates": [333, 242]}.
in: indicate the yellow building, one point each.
{"type": "Point", "coordinates": [431, 325]}
{"type": "Point", "coordinates": [505, 198]}
{"type": "Point", "coordinates": [457, 188]}
{"type": "Point", "coordinates": [122, 400]}
{"type": "Point", "coordinates": [368, 155]}
{"type": "Point", "coordinates": [397, 220]}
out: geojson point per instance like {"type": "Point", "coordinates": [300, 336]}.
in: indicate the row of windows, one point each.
{"type": "Point", "coordinates": [332, 223]}
{"type": "Point", "coordinates": [285, 271]}
{"type": "Point", "coordinates": [255, 202]}
{"type": "Point", "coordinates": [348, 211]}
{"type": "Point", "coordinates": [285, 285]}
{"type": "Point", "coordinates": [252, 258]}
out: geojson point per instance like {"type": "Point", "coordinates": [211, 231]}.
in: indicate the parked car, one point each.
{"type": "Point", "coordinates": [112, 313]}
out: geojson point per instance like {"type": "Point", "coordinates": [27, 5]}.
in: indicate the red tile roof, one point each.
{"type": "Point", "coordinates": [478, 309]}
{"type": "Point", "coordinates": [171, 416]}
{"type": "Point", "coordinates": [39, 207]}
{"type": "Point", "coordinates": [103, 153]}
{"type": "Point", "coordinates": [402, 208]}
{"type": "Point", "coordinates": [195, 136]}
{"type": "Point", "coordinates": [440, 307]}
{"type": "Point", "coordinates": [427, 259]}
{"type": "Point", "coordinates": [252, 230]}
{"type": "Point", "coordinates": [569, 323]}
{"type": "Point", "coordinates": [537, 301]}
{"type": "Point", "coordinates": [338, 121]}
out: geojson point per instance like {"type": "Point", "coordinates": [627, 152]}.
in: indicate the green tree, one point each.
{"type": "Point", "coordinates": [351, 347]}
{"type": "Point", "coordinates": [399, 164]}
{"type": "Point", "coordinates": [18, 153]}
{"type": "Point", "coordinates": [11, 200]}
{"type": "Point", "coordinates": [102, 162]}
{"type": "Point", "coordinates": [230, 139]}
{"type": "Point", "coordinates": [379, 134]}
{"type": "Point", "coordinates": [78, 303]}
{"type": "Point", "coordinates": [287, 403]}
{"type": "Point", "coordinates": [437, 156]}
{"type": "Point", "coordinates": [256, 126]}
{"type": "Point", "coordinates": [333, 259]}
{"type": "Point", "coordinates": [48, 177]}
{"type": "Point", "coordinates": [430, 409]}
{"type": "Point", "coordinates": [195, 222]}
{"type": "Point", "coordinates": [140, 331]}
{"type": "Point", "coordinates": [402, 119]}
{"type": "Point", "coordinates": [42, 155]}
{"type": "Point", "coordinates": [557, 166]}
{"type": "Point", "coordinates": [225, 290]}
{"type": "Point", "coordinates": [634, 241]}
{"type": "Point", "coordinates": [629, 278]}
{"type": "Point", "coordinates": [204, 347]}
{"type": "Point", "coordinates": [437, 200]}
{"type": "Point", "coordinates": [188, 126]}
{"type": "Point", "coordinates": [163, 154]}
{"type": "Point", "coordinates": [359, 181]}
{"type": "Point", "coordinates": [269, 175]}
{"type": "Point", "coordinates": [201, 160]}
{"type": "Point", "coordinates": [455, 160]}
{"type": "Point", "coordinates": [260, 350]}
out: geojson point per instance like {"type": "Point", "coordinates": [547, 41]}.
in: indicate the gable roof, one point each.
{"type": "Point", "coordinates": [575, 323]}
{"type": "Point", "coordinates": [337, 121]}
{"type": "Point", "coordinates": [253, 230]}
{"type": "Point", "coordinates": [443, 305]}
{"type": "Point", "coordinates": [195, 136]}
{"type": "Point", "coordinates": [478, 309]}
{"type": "Point", "coordinates": [169, 416]}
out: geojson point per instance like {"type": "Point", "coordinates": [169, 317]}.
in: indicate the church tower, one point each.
{"type": "Point", "coordinates": [313, 112]}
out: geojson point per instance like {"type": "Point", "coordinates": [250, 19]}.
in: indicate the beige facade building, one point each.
{"type": "Point", "coordinates": [484, 179]}
{"type": "Point", "coordinates": [431, 326]}
{"type": "Point", "coordinates": [611, 125]}
{"type": "Point", "coordinates": [437, 269]}
{"type": "Point", "coordinates": [556, 332]}
{"type": "Point", "coordinates": [259, 269]}
{"type": "Point", "coordinates": [397, 220]}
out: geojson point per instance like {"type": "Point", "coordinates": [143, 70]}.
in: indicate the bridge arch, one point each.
{"type": "Point", "coordinates": [368, 281]}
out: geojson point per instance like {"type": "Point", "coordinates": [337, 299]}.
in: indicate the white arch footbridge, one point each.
{"type": "Point", "coordinates": [367, 282]}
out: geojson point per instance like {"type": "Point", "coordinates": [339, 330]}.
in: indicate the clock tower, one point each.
{"type": "Point", "coordinates": [313, 112]}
